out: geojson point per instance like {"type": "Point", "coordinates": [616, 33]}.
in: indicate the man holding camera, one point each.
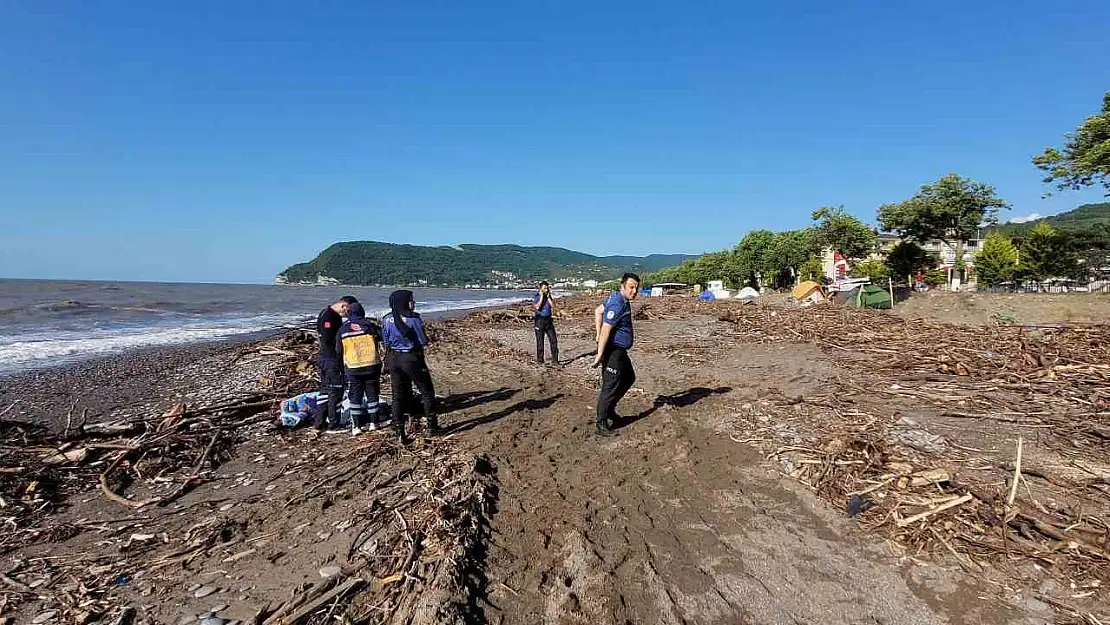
{"type": "Point", "coordinates": [544, 324]}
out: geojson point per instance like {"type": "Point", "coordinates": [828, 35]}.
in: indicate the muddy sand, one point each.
{"type": "Point", "coordinates": [520, 514]}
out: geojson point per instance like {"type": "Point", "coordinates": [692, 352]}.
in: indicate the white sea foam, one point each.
{"type": "Point", "coordinates": [36, 350]}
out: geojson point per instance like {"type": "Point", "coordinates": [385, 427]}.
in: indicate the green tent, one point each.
{"type": "Point", "coordinates": [870, 296]}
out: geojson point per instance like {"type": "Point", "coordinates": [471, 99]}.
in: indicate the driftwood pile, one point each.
{"type": "Point", "coordinates": [1019, 482]}
{"type": "Point", "coordinates": [418, 551]}
{"type": "Point", "coordinates": [419, 547]}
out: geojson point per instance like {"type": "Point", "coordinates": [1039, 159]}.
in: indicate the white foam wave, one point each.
{"type": "Point", "coordinates": [37, 350]}
{"type": "Point", "coordinates": [439, 306]}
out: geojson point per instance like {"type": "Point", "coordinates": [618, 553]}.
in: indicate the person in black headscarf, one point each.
{"type": "Point", "coordinates": [404, 335]}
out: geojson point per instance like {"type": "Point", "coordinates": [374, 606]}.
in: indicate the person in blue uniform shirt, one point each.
{"type": "Point", "coordinates": [358, 350]}
{"type": "Point", "coordinates": [404, 336]}
{"type": "Point", "coordinates": [328, 364]}
{"type": "Point", "coordinates": [614, 339]}
{"type": "Point", "coordinates": [544, 323]}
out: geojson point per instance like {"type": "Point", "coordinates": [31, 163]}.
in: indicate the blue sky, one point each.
{"type": "Point", "coordinates": [222, 141]}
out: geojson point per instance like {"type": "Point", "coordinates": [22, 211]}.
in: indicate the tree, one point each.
{"type": "Point", "coordinates": [951, 210]}
{"type": "Point", "coordinates": [751, 251]}
{"type": "Point", "coordinates": [813, 270]}
{"type": "Point", "coordinates": [997, 261]}
{"type": "Point", "coordinates": [1045, 253]}
{"type": "Point", "coordinates": [787, 252]}
{"type": "Point", "coordinates": [1085, 158]}
{"type": "Point", "coordinates": [1091, 247]}
{"type": "Point", "coordinates": [872, 268]}
{"type": "Point", "coordinates": [906, 258]}
{"type": "Point", "coordinates": [843, 232]}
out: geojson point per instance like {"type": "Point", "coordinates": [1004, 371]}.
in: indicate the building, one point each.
{"type": "Point", "coordinates": [836, 267]}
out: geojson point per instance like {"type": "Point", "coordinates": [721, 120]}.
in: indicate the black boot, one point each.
{"type": "Point", "coordinates": [604, 428]}
{"type": "Point", "coordinates": [432, 422]}
{"type": "Point", "coordinates": [402, 435]}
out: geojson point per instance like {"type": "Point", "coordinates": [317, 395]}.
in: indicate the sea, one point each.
{"type": "Point", "coordinates": [46, 323]}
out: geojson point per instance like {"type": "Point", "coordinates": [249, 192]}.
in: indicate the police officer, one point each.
{"type": "Point", "coordinates": [328, 365]}
{"type": "Point", "coordinates": [614, 339]}
{"type": "Point", "coordinates": [544, 324]}
{"type": "Point", "coordinates": [404, 335]}
{"type": "Point", "coordinates": [357, 347]}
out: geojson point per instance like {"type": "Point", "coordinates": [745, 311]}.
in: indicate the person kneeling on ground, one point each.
{"type": "Point", "coordinates": [544, 324]}
{"type": "Point", "coordinates": [614, 339]}
{"type": "Point", "coordinates": [357, 347]}
{"type": "Point", "coordinates": [404, 336]}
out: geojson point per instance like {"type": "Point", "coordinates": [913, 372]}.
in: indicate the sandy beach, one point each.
{"type": "Point", "coordinates": [725, 497]}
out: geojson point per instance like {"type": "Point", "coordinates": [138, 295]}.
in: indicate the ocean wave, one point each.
{"type": "Point", "coordinates": [33, 350]}
{"type": "Point", "coordinates": [441, 306]}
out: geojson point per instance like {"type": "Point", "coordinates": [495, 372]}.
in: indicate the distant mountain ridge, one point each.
{"type": "Point", "coordinates": [1079, 218]}
{"type": "Point", "coordinates": [467, 265]}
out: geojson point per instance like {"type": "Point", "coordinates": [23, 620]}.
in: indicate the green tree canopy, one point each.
{"type": "Point", "coordinates": [1046, 253]}
{"type": "Point", "coordinates": [871, 268]}
{"type": "Point", "coordinates": [997, 261]}
{"type": "Point", "coordinates": [907, 258]}
{"type": "Point", "coordinates": [752, 250]}
{"type": "Point", "coordinates": [1085, 158]}
{"type": "Point", "coordinates": [788, 251]}
{"type": "Point", "coordinates": [1091, 248]}
{"type": "Point", "coordinates": [950, 210]}
{"type": "Point", "coordinates": [843, 232]}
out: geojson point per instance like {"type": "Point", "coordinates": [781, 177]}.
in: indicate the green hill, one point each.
{"type": "Point", "coordinates": [1084, 217]}
{"type": "Point", "coordinates": [372, 262]}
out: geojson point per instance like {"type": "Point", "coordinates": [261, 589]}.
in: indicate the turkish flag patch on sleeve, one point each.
{"type": "Point", "coordinates": [327, 324]}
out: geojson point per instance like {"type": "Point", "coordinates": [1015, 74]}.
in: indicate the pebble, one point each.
{"type": "Point", "coordinates": [214, 620]}
{"type": "Point", "coordinates": [226, 507]}
{"type": "Point", "coordinates": [43, 617]}
{"type": "Point", "coordinates": [330, 571]}
{"type": "Point", "coordinates": [216, 609]}
{"type": "Point", "coordinates": [204, 591]}
{"type": "Point", "coordinates": [323, 535]}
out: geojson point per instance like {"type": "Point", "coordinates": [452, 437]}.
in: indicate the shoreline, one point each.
{"type": "Point", "coordinates": [143, 379]}
{"type": "Point", "coordinates": [730, 413]}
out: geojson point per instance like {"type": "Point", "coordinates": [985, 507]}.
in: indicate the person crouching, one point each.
{"type": "Point", "coordinates": [404, 335]}
{"type": "Point", "coordinates": [357, 347]}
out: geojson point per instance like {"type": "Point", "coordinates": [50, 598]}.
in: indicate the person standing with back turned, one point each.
{"type": "Point", "coordinates": [614, 339]}
{"type": "Point", "coordinates": [404, 335]}
{"type": "Point", "coordinates": [328, 365]}
{"type": "Point", "coordinates": [357, 347]}
{"type": "Point", "coordinates": [544, 323]}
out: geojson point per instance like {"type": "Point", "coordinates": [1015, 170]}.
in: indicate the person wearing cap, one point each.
{"type": "Point", "coordinates": [404, 336]}
{"type": "Point", "coordinates": [357, 347]}
{"type": "Point", "coordinates": [544, 323]}
{"type": "Point", "coordinates": [328, 364]}
{"type": "Point", "coordinates": [614, 339]}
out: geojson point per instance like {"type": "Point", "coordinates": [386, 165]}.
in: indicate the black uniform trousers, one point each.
{"type": "Point", "coordinates": [406, 369]}
{"type": "Point", "coordinates": [545, 326]}
{"type": "Point", "coordinates": [359, 385]}
{"type": "Point", "coordinates": [331, 393]}
{"type": "Point", "coordinates": [617, 376]}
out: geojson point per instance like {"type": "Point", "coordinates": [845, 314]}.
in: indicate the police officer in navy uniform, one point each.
{"type": "Point", "coordinates": [404, 336]}
{"type": "Point", "coordinates": [544, 324]}
{"type": "Point", "coordinates": [357, 347]}
{"type": "Point", "coordinates": [328, 364]}
{"type": "Point", "coordinates": [614, 339]}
